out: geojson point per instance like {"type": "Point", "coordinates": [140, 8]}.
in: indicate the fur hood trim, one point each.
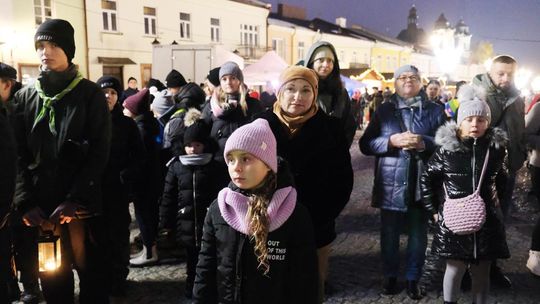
{"type": "Point", "coordinates": [447, 137]}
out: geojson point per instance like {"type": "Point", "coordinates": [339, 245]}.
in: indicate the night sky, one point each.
{"type": "Point", "coordinates": [513, 27]}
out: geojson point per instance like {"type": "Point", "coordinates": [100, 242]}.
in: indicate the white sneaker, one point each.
{"type": "Point", "coordinates": [533, 263]}
{"type": "Point", "coordinates": [145, 258]}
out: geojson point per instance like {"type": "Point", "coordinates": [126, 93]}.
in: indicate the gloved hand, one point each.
{"type": "Point", "coordinates": [34, 217]}
{"type": "Point", "coordinates": [64, 213]}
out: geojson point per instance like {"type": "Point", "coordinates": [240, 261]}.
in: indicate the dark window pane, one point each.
{"type": "Point", "coordinates": [153, 26]}
{"type": "Point", "coordinates": [105, 21]}
{"type": "Point", "coordinates": [146, 31]}
{"type": "Point", "coordinates": [113, 22]}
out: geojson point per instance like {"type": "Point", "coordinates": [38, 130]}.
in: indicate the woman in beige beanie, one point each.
{"type": "Point", "coordinates": [315, 146]}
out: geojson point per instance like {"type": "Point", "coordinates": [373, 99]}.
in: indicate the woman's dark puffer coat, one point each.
{"type": "Point", "coordinates": [231, 119]}
{"type": "Point", "coordinates": [190, 187]}
{"type": "Point", "coordinates": [227, 269]}
{"type": "Point", "coordinates": [455, 163]}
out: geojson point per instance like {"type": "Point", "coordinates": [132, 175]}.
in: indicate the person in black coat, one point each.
{"type": "Point", "coordinates": [119, 181]}
{"type": "Point", "coordinates": [148, 188]}
{"type": "Point", "coordinates": [456, 167]}
{"type": "Point", "coordinates": [257, 244]}
{"type": "Point", "coordinates": [193, 181]}
{"type": "Point", "coordinates": [63, 128]}
{"type": "Point", "coordinates": [230, 107]}
{"type": "Point", "coordinates": [316, 148]}
{"type": "Point", "coordinates": [8, 162]}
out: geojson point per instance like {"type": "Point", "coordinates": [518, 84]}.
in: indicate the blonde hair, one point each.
{"type": "Point", "coordinates": [243, 103]}
{"type": "Point", "coordinates": [257, 217]}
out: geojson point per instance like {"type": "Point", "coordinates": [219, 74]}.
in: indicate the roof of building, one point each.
{"type": "Point", "coordinates": [255, 3]}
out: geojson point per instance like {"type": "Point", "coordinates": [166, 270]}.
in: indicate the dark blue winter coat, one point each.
{"type": "Point", "coordinates": [395, 175]}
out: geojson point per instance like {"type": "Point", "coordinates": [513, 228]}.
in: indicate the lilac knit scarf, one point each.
{"type": "Point", "coordinates": [234, 206]}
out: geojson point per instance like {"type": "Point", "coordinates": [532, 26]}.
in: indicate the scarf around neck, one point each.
{"type": "Point", "coordinates": [233, 206]}
{"type": "Point", "coordinates": [294, 124]}
{"type": "Point", "coordinates": [47, 85]}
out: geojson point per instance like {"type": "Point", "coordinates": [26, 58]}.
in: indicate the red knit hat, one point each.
{"type": "Point", "coordinates": [139, 102]}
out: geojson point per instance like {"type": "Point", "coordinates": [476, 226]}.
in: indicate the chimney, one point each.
{"type": "Point", "coordinates": [291, 11]}
{"type": "Point", "coordinates": [341, 21]}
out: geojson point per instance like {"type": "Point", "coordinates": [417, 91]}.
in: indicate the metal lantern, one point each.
{"type": "Point", "coordinates": [49, 256]}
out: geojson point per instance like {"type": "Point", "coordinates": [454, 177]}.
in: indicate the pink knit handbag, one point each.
{"type": "Point", "coordinates": [466, 215]}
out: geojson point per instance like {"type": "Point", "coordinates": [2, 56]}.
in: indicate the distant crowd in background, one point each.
{"type": "Point", "coordinates": [250, 184]}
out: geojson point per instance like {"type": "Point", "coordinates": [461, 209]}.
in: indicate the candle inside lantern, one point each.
{"type": "Point", "coordinates": [49, 255]}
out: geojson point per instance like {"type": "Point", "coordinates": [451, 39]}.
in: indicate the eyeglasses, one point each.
{"type": "Point", "coordinates": [411, 78]}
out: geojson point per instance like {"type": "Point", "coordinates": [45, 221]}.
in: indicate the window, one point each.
{"type": "Point", "coordinates": [279, 46]}
{"type": "Point", "coordinates": [109, 15]}
{"type": "Point", "coordinates": [301, 50]}
{"type": "Point", "coordinates": [353, 59]}
{"type": "Point", "coordinates": [341, 56]}
{"type": "Point", "coordinates": [185, 26]}
{"type": "Point", "coordinates": [149, 21]}
{"type": "Point", "coordinates": [214, 29]}
{"type": "Point", "coordinates": [388, 67]}
{"type": "Point", "coordinates": [42, 11]}
{"type": "Point", "coordinates": [249, 35]}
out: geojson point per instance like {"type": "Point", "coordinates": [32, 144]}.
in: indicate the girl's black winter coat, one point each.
{"type": "Point", "coordinates": [189, 190]}
{"type": "Point", "coordinates": [458, 163]}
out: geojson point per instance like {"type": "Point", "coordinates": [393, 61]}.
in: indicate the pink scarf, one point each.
{"type": "Point", "coordinates": [234, 206]}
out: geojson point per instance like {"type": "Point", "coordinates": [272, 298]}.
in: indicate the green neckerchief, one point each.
{"type": "Point", "coordinates": [48, 102]}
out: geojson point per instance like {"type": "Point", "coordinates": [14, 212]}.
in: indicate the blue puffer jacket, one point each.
{"type": "Point", "coordinates": [393, 187]}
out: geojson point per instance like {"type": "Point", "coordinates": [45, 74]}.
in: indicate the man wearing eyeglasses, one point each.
{"type": "Point", "coordinates": [401, 136]}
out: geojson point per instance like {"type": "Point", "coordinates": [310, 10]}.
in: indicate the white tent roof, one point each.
{"type": "Point", "coordinates": [268, 68]}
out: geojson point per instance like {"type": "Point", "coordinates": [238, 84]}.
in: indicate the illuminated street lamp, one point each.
{"type": "Point", "coordinates": [49, 255]}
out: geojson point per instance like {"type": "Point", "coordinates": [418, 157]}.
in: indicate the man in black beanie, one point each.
{"type": "Point", "coordinates": [174, 82]}
{"type": "Point", "coordinates": [63, 131]}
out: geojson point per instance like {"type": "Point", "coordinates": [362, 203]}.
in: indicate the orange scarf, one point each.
{"type": "Point", "coordinates": [294, 124]}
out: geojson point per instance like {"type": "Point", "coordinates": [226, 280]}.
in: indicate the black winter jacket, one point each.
{"type": "Point", "coordinates": [151, 182]}
{"type": "Point", "coordinates": [223, 126]}
{"type": "Point", "coordinates": [191, 185]}
{"type": "Point", "coordinates": [321, 165]}
{"type": "Point", "coordinates": [127, 154]}
{"type": "Point", "coordinates": [71, 165]}
{"type": "Point", "coordinates": [227, 269]}
{"type": "Point", "coordinates": [8, 163]}
{"type": "Point", "coordinates": [458, 164]}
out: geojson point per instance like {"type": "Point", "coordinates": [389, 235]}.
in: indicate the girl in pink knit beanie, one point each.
{"type": "Point", "coordinates": [255, 237]}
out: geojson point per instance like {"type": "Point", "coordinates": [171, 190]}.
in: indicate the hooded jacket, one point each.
{"type": "Point", "coordinates": [72, 165]}
{"type": "Point", "coordinates": [334, 103]}
{"type": "Point", "coordinates": [458, 164]}
{"type": "Point", "coordinates": [394, 176]}
{"type": "Point", "coordinates": [191, 185]}
{"type": "Point", "coordinates": [511, 106]}
{"type": "Point", "coordinates": [227, 270]}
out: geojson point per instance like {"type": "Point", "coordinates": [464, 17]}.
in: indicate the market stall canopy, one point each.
{"type": "Point", "coordinates": [268, 68]}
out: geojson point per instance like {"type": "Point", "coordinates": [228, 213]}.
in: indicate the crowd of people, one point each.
{"type": "Point", "coordinates": [251, 189]}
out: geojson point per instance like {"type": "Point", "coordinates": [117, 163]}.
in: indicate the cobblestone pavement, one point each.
{"type": "Point", "coordinates": [355, 264]}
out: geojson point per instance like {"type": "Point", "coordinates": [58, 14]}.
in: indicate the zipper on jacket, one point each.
{"type": "Point", "coordinates": [238, 272]}
{"type": "Point", "coordinates": [196, 221]}
{"type": "Point", "coordinates": [474, 189]}
{"type": "Point", "coordinates": [473, 166]}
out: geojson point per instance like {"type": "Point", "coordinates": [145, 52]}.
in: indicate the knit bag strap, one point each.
{"type": "Point", "coordinates": [481, 176]}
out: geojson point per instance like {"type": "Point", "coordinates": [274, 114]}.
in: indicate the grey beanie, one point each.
{"type": "Point", "coordinates": [406, 69]}
{"type": "Point", "coordinates": [231, 68]}
{"type": "Point", "coordinates": [162, 102]}
{"type": "Point", "coordinates": [471, 103]}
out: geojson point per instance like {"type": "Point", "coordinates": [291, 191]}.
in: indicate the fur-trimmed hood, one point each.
{"type": "Point", "coordinates": [447, 138]}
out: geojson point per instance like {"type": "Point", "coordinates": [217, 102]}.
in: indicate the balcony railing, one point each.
{"type": "Point", "coordinates": [251, 52]}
